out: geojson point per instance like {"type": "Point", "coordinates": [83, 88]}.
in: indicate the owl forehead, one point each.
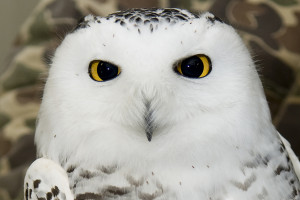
{"type": "Point", "coordinates": [141, 18]}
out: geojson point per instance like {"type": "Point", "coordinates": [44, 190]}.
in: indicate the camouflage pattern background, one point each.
{"type": "Point", "coordinates": [270, 28]}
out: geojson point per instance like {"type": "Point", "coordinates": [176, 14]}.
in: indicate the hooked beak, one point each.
{"type": "Point", "coordinates": [149, 127]}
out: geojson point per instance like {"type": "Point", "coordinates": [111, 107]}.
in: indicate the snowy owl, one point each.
{"type": "Point", "coordinates": [157, 104]}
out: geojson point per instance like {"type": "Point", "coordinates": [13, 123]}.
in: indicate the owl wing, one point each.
{"type": "Point", "coordinates": [45, 179]}
{"type": "Point", "coordinates": [292, 155]}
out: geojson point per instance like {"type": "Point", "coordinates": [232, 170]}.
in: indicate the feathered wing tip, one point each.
{"type": "Point", "coordinates": [45, 179]}
{"type": "Point", "coordinates": [292, 155]}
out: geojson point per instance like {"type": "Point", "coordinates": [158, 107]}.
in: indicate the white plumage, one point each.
{"type": "Point", "coordinates": [125, 117]}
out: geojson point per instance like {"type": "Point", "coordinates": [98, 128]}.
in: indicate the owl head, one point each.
{"type": "Point", "coordinates": [150, 76]}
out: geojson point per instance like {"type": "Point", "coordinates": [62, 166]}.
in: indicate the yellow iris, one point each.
{"type": "Point", "coordinates": [103, 71]}
{"type": "Point", "coordinates": [197, 66]}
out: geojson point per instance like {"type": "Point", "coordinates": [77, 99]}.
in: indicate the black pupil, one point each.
{"type": "Point", "coordinates": [192, 67]}
{"type": "Point", "coordinates": [107, 71]}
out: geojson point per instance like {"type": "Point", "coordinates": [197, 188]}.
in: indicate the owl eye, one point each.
{"type": "Point", "coordinates": [197, 66]}
{"type": "Point", "coordinates": [103, 71]}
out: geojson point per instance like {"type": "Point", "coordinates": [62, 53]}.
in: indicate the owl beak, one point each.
{"type": "Point", "coordinates": [148, 121]}
{"type": "Point", "coordinates": [149, 135]}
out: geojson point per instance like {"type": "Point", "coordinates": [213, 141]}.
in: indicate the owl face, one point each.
{"type": "Point", "coordinates": [146, 75]}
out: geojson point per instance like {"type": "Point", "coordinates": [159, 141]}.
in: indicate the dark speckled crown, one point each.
{"type": "Point", "coordinates": [149, 17]}
{"type": "Point", "coordinates": [154, 15]}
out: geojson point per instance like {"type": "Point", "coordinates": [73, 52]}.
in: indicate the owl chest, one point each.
{"type": "Point", "coordinates": [113, 183]}
{"type": "Point", "coordinates": [252, 180]}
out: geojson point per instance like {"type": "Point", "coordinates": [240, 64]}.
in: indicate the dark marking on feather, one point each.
{"type": "Point", "coordinates": [294, 192]}
{"type": "Point", "coordinates": [251, 165]}
{"type": "Point", "coordinates": [71, 169]}
{"type": "Point", "coordinates": [108, 169]}
{"type": "Point", "coordinates": [152, 15]}
{"type": "Point", "coordinates": [181, 17]}
{"type": "Point", "coordinates": [128, 15]}
{"type": "Point", "coordinates": [55, 191]}
{"type": "Point", "coordinates": [154, 19]}
{"type": "Point", "coordinates": [89, 196]}
{"type": "Point", "coordinates": [257, 161]}
{"type": "Point", "coordinates": [116, 190]}
{"type": "Point", "coordinates": [49, 196]}
{"type": "Point", "coordinates": [134, 181]}
{"type": "Point", "coordinates": [151, 28]}
{"type": "Point", "coordinates": [147, 196]}
{"type": "Point", "coordinates": [26, 194]}
{"type": "Point", "coordinates": [30, 193]}
{"type": "Point", "coordinates": [247, 183]}
{"type": "Point", "coordinates": [87, 174]}
{"type": "Point", "coordinates": [266, 160]}
{"type": "Point", "coordinates": [122, 23]}
{"type": "Point", "coordinates": [36, 183]}
{"type": "Point", "coordinates": [138, 20]}
{"type": "Point", "coordinates": [281, 168]}
{"type": "Point", "coordinates": [64, 161]}
{"type": "Point", "coordinates": [131, 19]}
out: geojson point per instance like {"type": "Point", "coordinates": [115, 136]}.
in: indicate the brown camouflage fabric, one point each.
{"type": "Point", "coordinates": [270, 28]}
